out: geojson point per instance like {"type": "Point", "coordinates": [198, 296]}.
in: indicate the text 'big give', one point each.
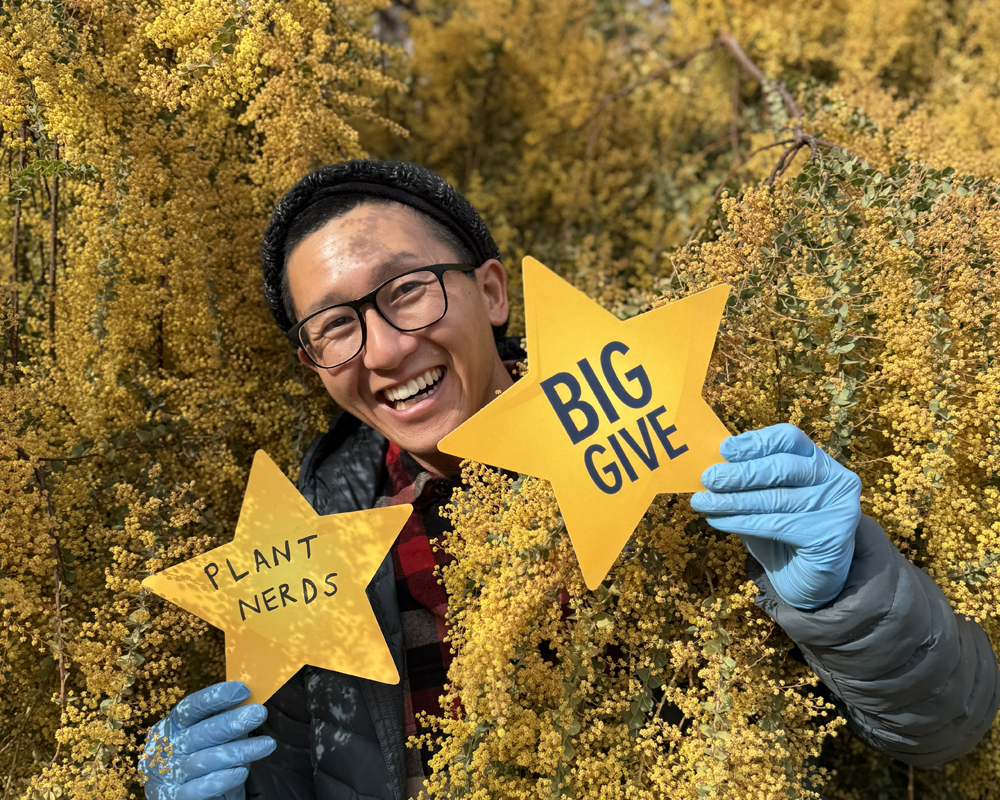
{"type": "Point", "coordinates": [632, 446]}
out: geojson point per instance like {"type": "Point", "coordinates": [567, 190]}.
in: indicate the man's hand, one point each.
{"type": "Point", "coordinates": [196, 753]}
{"type": "Point", "coordinates": [793, 506]}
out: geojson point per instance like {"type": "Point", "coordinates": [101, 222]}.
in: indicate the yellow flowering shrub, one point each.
{"type": "Point", "coordinates": [864, 310]}
{"type": "Point", "coordinates": [144, 145]}
{"type": "Point", "coordinates": [646, 154]}
{"type": "Point", "coordinates": [644, 151]}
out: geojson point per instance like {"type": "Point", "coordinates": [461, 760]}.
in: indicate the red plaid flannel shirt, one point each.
{"type": "Point", "coordinates": [423, 602]}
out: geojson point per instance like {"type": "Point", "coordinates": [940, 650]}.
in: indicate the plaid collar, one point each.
{"type": "Point", "coordinates": [411, 483]}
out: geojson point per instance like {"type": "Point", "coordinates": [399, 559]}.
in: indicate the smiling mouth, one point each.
{"type": "Point", "coordinates": [413, 391]}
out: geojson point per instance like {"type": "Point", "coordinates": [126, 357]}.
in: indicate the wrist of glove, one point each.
{"type": "Point", "coordinates": [200, 749]}
{"type": "Point", "coordinates": [794, 507]}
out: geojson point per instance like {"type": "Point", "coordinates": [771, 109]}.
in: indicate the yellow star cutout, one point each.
{"type": "Point", "coordinates": [289, 590]}
{"type": "Point", "coordinates": [610, 412]}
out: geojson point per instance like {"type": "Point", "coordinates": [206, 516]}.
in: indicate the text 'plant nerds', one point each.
{"type": "Point", "coordinates": [282, 594]}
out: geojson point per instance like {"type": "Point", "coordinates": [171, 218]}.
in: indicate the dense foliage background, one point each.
{"type": "Point", "coordinates": [835, 161]}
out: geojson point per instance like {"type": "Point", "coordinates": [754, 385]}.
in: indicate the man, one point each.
{"type": "Point", "coordinates": [390, 286]}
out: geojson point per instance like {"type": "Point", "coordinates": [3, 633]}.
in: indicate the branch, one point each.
{"type": "Point", "coordinates": [722, 185]}
{"type": "Point", "coordinates": [597, 116]}
{"type": "Point", "coordinates": [747, 63]}
{"type": "Point", "coordinates": [800, 138]}
{"type": "Point", "coordinates": [54, 213]}
{"type": "Point", "coordinates": [58, 579]}
{"type": "Point", "coordinates": [15, 340]}
{"type": "Point", "coordinates": [659, 73]}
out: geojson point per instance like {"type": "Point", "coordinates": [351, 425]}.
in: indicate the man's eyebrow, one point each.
{"type": "Point", "coordinates": [383, 271]}
{"type": "Point", "coordinates": [394, 265]}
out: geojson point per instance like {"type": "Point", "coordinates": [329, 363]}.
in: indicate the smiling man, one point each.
{"type": "Point", "coordinates": [416, 387]}
{"type": "Point", "coordinates": [390, 287]}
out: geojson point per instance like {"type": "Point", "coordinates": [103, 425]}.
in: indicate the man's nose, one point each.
{"type": "Point", "coordinates": [385, 347]}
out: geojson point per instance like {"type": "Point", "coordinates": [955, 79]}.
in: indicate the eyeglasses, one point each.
{"type": "Point", "coordinates": [416, 299]}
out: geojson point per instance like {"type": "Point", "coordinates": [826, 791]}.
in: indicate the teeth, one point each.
{"type": "Point", "coordinates": [398, 394]}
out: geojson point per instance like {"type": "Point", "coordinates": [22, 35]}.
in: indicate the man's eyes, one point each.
{"type": "Point", "coordinates": [338, 324]}
{"type": "Point", "coordinates": [405, 288]}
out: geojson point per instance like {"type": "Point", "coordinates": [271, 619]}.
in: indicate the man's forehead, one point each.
{"type": "Point", "coordinates": [375, 231]}
{"type": "Point", "coordinates": [358, 279]}
{"type": "Point", "coordinates": [353, 254]}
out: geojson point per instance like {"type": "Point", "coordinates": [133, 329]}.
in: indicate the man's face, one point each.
{"type": "Point", "coordinates": [349, 257]}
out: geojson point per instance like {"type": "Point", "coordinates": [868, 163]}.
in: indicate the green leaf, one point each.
{"type": "Point", "coordinates": [603, 620]}
{"type": "Point", "coordinates": [712, 647]}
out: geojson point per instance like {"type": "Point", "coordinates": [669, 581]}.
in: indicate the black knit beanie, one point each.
{"type": "Point", "coordinates": [406, 183]}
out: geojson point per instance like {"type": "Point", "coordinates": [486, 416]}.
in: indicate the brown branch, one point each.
{"type": "Point", "coordinates": [13, 765]}
{"type": "Point", "coordinates": [597, 116]}
{"type": "Point", "coordinates": [15, 339]}
{"type": "Point", "coordinates": [722, 185]}
{"type": "Point", "coordinates": [54, 213]}
{"type": "Point", "coordinates": [747, 63]}
{"type": "Point", "coordinates": [734, 130]}
{"type": "Point", "coordinates": [799, 138]}
{"type": "Point", "coordinates": [659, 73]}
{"type": "Point", "coordinates": [58, 579]}
{"type": "Point", "coordinates": [131, 445]}
{"type": "Point", "coordinates": [17, 737]}
{"type": "Point", "coordinates": [777, 369]}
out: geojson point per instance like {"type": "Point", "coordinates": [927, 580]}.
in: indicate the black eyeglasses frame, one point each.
{"type": "Point", "coordinates": [439, 270]}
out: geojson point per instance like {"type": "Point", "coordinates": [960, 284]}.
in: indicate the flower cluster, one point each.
{"type": "Point", "coordinates": [143, 147]}
{"type": "Point", "coordinates": [635, 150]}
{"type": "Point", "coordinates": [634, 147]}
{"type": "Point", "coordinates": [864, 311]}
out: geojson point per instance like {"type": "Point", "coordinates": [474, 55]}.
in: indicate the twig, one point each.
{"type": "Point", "coordinates": [800, 138]}
{"type": "Point", "coordinates": [58, 579]}
{"type": "Point", "coordinates": [13, 764]}
{"type": "Point", "coordinates": [747, 63]}
{"type": "Point", "coordinates": [777, 370]}
{"type": "Point", "coordinates": [734, 132]}
{"type": "Point", "coordinates": [597, 116]}
{"type": "Point", "coordinates": [16, 738]}
{"type": "Point", "coordinates": [54, 213]}
{"type": "Point", "coordinates": [15, 340]}
{"type": "Point", "coordinates": [722, 185]}
{"type": "Point", "coordinates": [796, 142]}
{"type": "Point", "coordinates": [659, 73]}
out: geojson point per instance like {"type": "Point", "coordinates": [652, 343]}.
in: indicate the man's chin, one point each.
{"type": "Point", "coordinates": [424, 447]}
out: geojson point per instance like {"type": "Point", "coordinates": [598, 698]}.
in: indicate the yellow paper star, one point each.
{"type": "Point", "coordinates": [289, 590]}
{"type": "Point", "coordinates": [610, 412]}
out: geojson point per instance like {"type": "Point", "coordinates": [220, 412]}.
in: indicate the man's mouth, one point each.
{"type": "Point", "coordinates": [414, 390]}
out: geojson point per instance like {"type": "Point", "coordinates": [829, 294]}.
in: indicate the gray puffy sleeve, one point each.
{"type": "Point", "coordinates": [918, 682]}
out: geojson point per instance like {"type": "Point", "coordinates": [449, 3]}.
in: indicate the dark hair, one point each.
{"type": "Point", "coordinates": [331, 191]}
{"type": "Point", "coordinates": [314, 217]}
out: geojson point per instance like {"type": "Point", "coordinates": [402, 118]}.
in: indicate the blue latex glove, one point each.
{"type": "Point", "coordinates": [209, 748]}
{"type": "Point", "coordinates": [793, 506]}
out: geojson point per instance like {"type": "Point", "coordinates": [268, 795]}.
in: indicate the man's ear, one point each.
{"type": "Point", "coordinates": [305, 359]}
{"type": "Point", "coordinates": [493, 279]}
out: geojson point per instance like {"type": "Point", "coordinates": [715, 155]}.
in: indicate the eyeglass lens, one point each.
{"type": "Point", "coordinates": [410, 302]}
